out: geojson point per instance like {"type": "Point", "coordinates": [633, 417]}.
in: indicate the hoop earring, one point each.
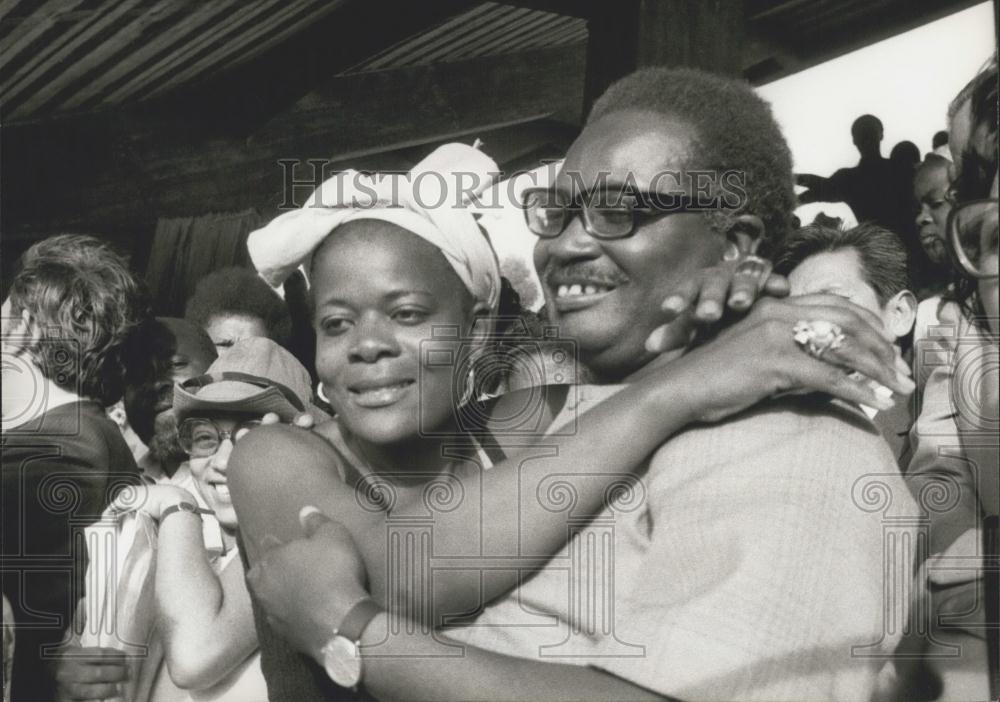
{"type": "Point", "coordinates": [321, 394]}
{"type": "Point", "coordinates": [469, 391]}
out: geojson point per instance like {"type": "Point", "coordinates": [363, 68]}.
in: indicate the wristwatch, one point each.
{"type": "Point", "coordinates": [341, 654]}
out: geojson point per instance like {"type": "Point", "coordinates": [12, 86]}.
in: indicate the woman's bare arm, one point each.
{"type": "Point", "coordinates": [207, 619]}
{"type": "Point", "coordinates": [308, 586]}
{"type": "Point", "coordinates": [518, 523]}
{"type": "Point", "coordinates": [478, 674]}
{"type": "Point", "coordinates": [275, 471]}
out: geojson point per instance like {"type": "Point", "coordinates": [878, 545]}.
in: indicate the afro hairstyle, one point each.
{"type": "Point", "coordinates": [239, 291]}
{"type": "Point", "coordinates": [736, 132]}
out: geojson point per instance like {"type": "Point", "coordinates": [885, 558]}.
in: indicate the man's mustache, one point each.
{"type": "Point", "coordinates": [586, 270]}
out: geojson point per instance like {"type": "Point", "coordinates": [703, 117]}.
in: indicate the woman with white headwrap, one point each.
{"type": "Point", "coordinates": [403, 286]}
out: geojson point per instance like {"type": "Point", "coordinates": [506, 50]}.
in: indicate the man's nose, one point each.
{"type": "Point", "coordinates": [373, 340]}
{"type": "Point", "coordinates": [574, 241]}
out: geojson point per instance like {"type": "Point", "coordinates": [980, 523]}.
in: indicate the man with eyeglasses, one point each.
{"type": "Point", "coordinates": [746, 570]}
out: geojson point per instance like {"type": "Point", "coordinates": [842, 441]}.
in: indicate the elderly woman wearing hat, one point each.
{"type": "Point", "coordinates": [203, 608]}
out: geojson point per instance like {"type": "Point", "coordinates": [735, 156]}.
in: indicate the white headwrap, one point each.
{"type": "Point", "coordinates": [424, 201]}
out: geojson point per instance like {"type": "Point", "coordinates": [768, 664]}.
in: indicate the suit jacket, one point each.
{"type": "Point", "coordinates": [747, 563]}
{"type": "Point", "coordinates": [60, 471]}
{"type": "Point", "coordinates": [895, 425]}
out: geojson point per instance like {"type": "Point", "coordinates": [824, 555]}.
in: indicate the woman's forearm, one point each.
{"type": "Point", "coordinates": [530, 501]}
{"type": "Point", "coordinates": [190, 602]}
{"type": "Point", "coordinates": [611, 440]}
{"type": "Point", "coordinates": [187, 590]}
{"type": "Point", "coordinates": [393, 669]}
{"type": "Point", "coordinates": [509, 524]}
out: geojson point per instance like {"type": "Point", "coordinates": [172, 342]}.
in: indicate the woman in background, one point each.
{"type": "Point", "coordinates": [233, 304]}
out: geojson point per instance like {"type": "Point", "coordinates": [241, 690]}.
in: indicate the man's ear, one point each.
{"type": "Point", "coordinates": [900, 313]}
{"type": "Point", "coordinates": [745, 232]}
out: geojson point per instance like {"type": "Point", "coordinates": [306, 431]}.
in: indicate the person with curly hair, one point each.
{"type": "Point", "coordinates": [72, 307]}
{"type": "Point", "coordinates": [233, 303]}
{"type": "Point", "coordinates": [735, 132]}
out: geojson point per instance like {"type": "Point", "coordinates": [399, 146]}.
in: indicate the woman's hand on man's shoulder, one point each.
{"type": "Point", "coordinates": [303, 420]}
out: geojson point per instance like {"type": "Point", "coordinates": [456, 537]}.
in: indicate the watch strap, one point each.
{"type": "Point", "coordinates": [183, 507]}
{"type": "Point", "coordinates": [357, 618]}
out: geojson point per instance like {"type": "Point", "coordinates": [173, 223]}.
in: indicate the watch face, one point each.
{"type": "Point", "coordinates": [342, 662]}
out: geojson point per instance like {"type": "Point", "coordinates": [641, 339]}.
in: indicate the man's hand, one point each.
{"type": "Point", "coordinates": [91, 673]}
{"type": "Point", "coordinates": [308, 585]}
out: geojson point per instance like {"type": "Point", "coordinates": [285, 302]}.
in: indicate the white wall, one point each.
{"type": "Point", "coordinates": [906, 81]}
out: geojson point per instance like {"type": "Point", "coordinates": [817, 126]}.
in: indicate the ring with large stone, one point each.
{"type": "Point", "coordinates": [818, 336]}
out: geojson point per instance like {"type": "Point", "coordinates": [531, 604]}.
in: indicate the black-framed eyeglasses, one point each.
{"type": "Point", "coordinates": [605, 215]}
{"type": "Point", "coordinates": [972, 237]}
{"type": "Point", "coordinates": [200, 437]}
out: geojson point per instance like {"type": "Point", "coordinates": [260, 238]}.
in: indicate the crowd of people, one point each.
{"type": "Point", "coordinates": [769, 472]}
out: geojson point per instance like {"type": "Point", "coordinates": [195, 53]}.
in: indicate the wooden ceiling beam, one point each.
{"type": "Point", "coordinates": [237, 99]}
{"type": "Point", "coordinates": [813, 48]}
{"type": "Point", "coordinates": [109, 173]}
{"type": "Point", "coordinates": [569, 8]}
{"type": "Point", "coordinates": [240, 99]}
